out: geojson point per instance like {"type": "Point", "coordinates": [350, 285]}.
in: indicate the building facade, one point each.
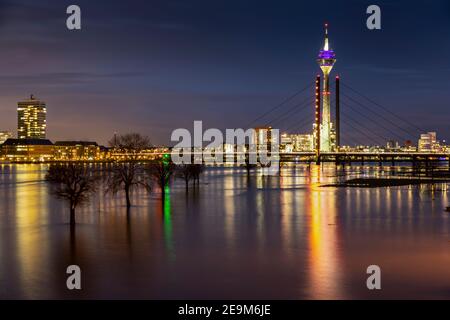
{"type": "Point", "coordinates": [428, 142]}
{"type": "Point", "coordinates": [27, 150]}
{"type": "Point", "coordinates": [263, 137]}
{"type": "Point", "coordinates": [5, 135]}
{"type": "Point", "coordinates": [31, 119]}
{"type": "Point", "coordinates": [77, 151]}
{"type": "Point", "coordinates": [296, 142]}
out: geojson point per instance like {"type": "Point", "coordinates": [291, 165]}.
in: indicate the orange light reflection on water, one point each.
{"type": "Point", "coordinates": [325, 274]}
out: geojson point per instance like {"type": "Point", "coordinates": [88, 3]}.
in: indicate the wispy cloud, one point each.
{"type": "Point", "coordinates": [62, 78]}
{"type": "Point", "coordinates": [387, 70]}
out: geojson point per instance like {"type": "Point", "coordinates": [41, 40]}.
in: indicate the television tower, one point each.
{"type": "Point", "coordinates": [326, 60]}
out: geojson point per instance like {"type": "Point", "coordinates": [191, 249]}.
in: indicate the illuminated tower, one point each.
{"type": "Point", "coordinates": [31, 119]}
{"type": "Point", "coordinates": [326, 60]}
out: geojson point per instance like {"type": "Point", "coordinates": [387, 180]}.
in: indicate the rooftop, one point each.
{"type": "Point", "coordinates": [75, 143]}
{"type": "Point", "coordinates": [27, 142]}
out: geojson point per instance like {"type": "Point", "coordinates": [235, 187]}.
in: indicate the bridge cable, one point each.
{"type": "Point", "coordinates": [409, 132]}
{"type": "Point", "coordinates": [361, 131]}
{"type": "Point", "coordinates": [384, 108]}
{"type": "Point", "coordinates": [374, 121]}
{"type": "Point", "coordinates": [301, 125]}
{"type": "Point", "coordinates": [296, 108]}
{"type": "Point", "coordinates": [280, 105]}
{"type": "Point", "coordinates": [379, 115]}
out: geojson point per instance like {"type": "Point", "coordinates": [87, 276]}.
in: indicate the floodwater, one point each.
{"type": "Point", "coordinates": [234, 237]}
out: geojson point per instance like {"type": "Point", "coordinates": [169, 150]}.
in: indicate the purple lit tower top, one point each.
{"type": "Point", "coordinates": [326, 55]}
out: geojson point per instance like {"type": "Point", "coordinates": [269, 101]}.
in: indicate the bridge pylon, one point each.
{"type": "Point", "coordinates": [317, 121]}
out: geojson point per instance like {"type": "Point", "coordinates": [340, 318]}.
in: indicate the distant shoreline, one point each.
{"type": "Point", "coordinates": [386, 182]}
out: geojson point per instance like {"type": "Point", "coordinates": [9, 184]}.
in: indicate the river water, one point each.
{"type": "Point", "coordinates": [234, 237]}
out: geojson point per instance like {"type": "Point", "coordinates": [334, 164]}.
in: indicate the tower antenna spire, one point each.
{"type": "Point", "coordinates": [326, 45]}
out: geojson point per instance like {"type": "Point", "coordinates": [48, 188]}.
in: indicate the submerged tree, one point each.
{"type": "Point", "coordinates": [188, 172]}
{"type": "Point", "coordinates": [160, 172]}
{"type": "Point", "coordinates": [249, 161]}
{"type": "Point", "coordinates": [249, 166]}
{"type": "Point", "coordinates": [127, 175]}
{"type": "Point", "coordinates": [72, 182]}
{"type": "Point", "coordinates": [196, 171]}
{"type": "Point", "coordinates": [184, 172]}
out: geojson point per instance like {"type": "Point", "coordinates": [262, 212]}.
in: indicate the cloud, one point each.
{"type": "Point", "coordinates": [387, 70]}
{"type": "Point", "coordinates": [61, 78]}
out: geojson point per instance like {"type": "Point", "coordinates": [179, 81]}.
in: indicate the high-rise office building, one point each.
{"type": "Point", "coordinates": [31, 119]}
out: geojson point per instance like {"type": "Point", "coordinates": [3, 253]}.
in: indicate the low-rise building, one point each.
{"type": "Point", "coordinates": [77, 151]}
{"type": "Point", "coordinates": [17, 150]}
{"type": "Point", "coordinates": [428, 143]}
{"type": "Point", "coordinates": [262, 138]}
{"type": "Point", "coordinates": [297, 142]}
{"type": "Point", "coordinates": [5, 135]}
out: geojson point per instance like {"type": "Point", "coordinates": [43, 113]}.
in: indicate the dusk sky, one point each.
{"type": "Point", "coordinates": [156, 65]}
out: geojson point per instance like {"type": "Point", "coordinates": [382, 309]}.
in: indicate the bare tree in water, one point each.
{"type": "Point", "coordinates": [160, 172]}
{"type": "Point", "coordinates": [248, 165]}
{"type": "Point", "coordinates": [128, 175]}
{"type": "Point", "coordinates": [196, 171]}
{"type": "Point", "coordinates": [188, 172]}
{"type": "Point", "coordinates": [72, 182]}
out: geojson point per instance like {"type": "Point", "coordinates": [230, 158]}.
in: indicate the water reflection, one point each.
{"type": "Point", "coordinates": [234, 236]}
{"type": "Point", "coordinates": [168, 234]}
{"type": "Point", "coordinates": [30, 227]}
{"type": "Point", "coordinates": [324, 261]}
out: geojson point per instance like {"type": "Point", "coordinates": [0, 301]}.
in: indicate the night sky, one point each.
{"type": "Point", "coordinates": [153, 66]}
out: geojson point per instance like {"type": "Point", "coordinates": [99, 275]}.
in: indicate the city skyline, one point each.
{"type": "Point", "coordinates": [212, 158]}
{"type": "Point", "coordinates": [32, 124]}
{"type": "Point", "coordinates": [249, 62]}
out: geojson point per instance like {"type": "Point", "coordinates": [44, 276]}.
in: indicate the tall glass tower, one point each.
{"type": "Point", "coordinates": [326, 60]}
{"type": "Point", "coordinates": [31, 119]}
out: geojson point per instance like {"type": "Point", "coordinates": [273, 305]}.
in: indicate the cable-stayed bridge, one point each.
{"type": "Point", "coordinates": [363, 128]}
